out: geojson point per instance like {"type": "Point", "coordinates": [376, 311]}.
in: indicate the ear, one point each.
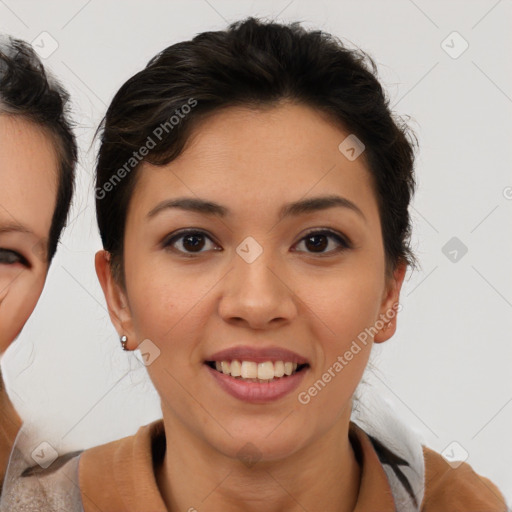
{"type": "Point", "coordinates": [390, 301]}
{"type": "Point", "coordinates": [115, 297]}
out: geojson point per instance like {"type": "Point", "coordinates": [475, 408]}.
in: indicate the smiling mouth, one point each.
{"type": "Point", "coordinates": [250, 371]}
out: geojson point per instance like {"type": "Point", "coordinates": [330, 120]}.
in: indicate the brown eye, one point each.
{"type": "Point", "coordinates": [193, 242]}
{"type": "Point", "coordinates": [8, 257]}
{"type": "Point", "coordinates": [188, 242]}
{"type": "Point", "coordinates": [318, 242]}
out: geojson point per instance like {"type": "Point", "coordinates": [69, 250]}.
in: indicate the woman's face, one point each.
{"type": "Point", "coordinates": [28, 190]}
{"type": "Point", "coordinates": [256, 281]}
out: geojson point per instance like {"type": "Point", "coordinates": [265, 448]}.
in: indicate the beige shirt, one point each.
{"type": "Point", "coordinates": [10, 423]}
{"type": "Point", "coordinates": [120, 476]}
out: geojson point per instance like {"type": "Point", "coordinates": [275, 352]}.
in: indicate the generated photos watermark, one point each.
{"type": "Point", "coordinates": [304, 397]}
{"type": "Point", "coordinates": [151, 142]}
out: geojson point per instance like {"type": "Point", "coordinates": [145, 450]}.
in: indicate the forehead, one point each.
{"type": "Point", "coordinates": [28, 175]}
{"type": "Point", "coordinates": [261, 158]}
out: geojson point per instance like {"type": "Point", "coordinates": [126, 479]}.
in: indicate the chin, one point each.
{"type": "Point", "coordinates": [257, 445]}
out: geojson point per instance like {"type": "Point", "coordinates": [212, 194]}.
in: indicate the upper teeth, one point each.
{"type": "Point", "coordinates": [251, 370]}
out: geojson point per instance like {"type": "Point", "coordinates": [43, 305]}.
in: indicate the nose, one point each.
{"type": "Point", "coordinates": [257, 294]}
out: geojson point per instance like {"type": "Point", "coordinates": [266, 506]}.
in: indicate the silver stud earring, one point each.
{"type": "Point", "coordinates": [124, 341]}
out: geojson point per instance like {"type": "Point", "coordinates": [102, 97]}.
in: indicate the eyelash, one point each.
{"type": "Point", "coordinates": [343, 241]}
{"type": "Point", "coordinates": [7, 256]}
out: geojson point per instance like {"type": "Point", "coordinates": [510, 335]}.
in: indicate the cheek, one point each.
{"type": "Point", "coordinates": [348, 302]}
{"type": "Point", "coordinates": [347, 307]}
{"type": "Point", "coordinates": [164, 305]}
{"type": "Point", "coordinates": [17, 302]}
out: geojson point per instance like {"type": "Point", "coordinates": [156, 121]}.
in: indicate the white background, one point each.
{"type": "Point", "coordinates": [448, 367]}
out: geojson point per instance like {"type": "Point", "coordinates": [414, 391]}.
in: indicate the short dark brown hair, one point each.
{"type": "Point", "coordinates": [28, 91]}
{"type": "Point", "coordinates": [253, 64]}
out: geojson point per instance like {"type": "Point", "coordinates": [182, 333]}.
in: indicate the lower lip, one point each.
{"type": "Point", "coordinates": [255, 392]}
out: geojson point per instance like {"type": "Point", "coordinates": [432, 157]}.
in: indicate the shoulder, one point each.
{"type": "Point", "coordinates": [457, 488]}
{"type": "Point", "coordinates": [68, 482]}
{"type": "Point", "coordinates": [31, 488]}
{"type": "Point", "coordinates": [10, 424]}
{"type": "Point", "coordinates": [130, 462]}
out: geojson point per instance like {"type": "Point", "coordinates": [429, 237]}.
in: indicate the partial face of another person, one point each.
{"type": "Point", "coordinates": [249, 284]}
{"type": "Point", "coordinates": [28, 192]}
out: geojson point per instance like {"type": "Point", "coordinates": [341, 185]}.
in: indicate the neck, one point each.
{"type": "Point", "coordinates": [323, 475]}
{"type": "Point", "coordinates": [10, 423]}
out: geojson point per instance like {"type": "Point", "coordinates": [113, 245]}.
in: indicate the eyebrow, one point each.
{"type": "Point", "coordinates": [11, 227]}
{"type": "Point", "coordinates": [296, 208]}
